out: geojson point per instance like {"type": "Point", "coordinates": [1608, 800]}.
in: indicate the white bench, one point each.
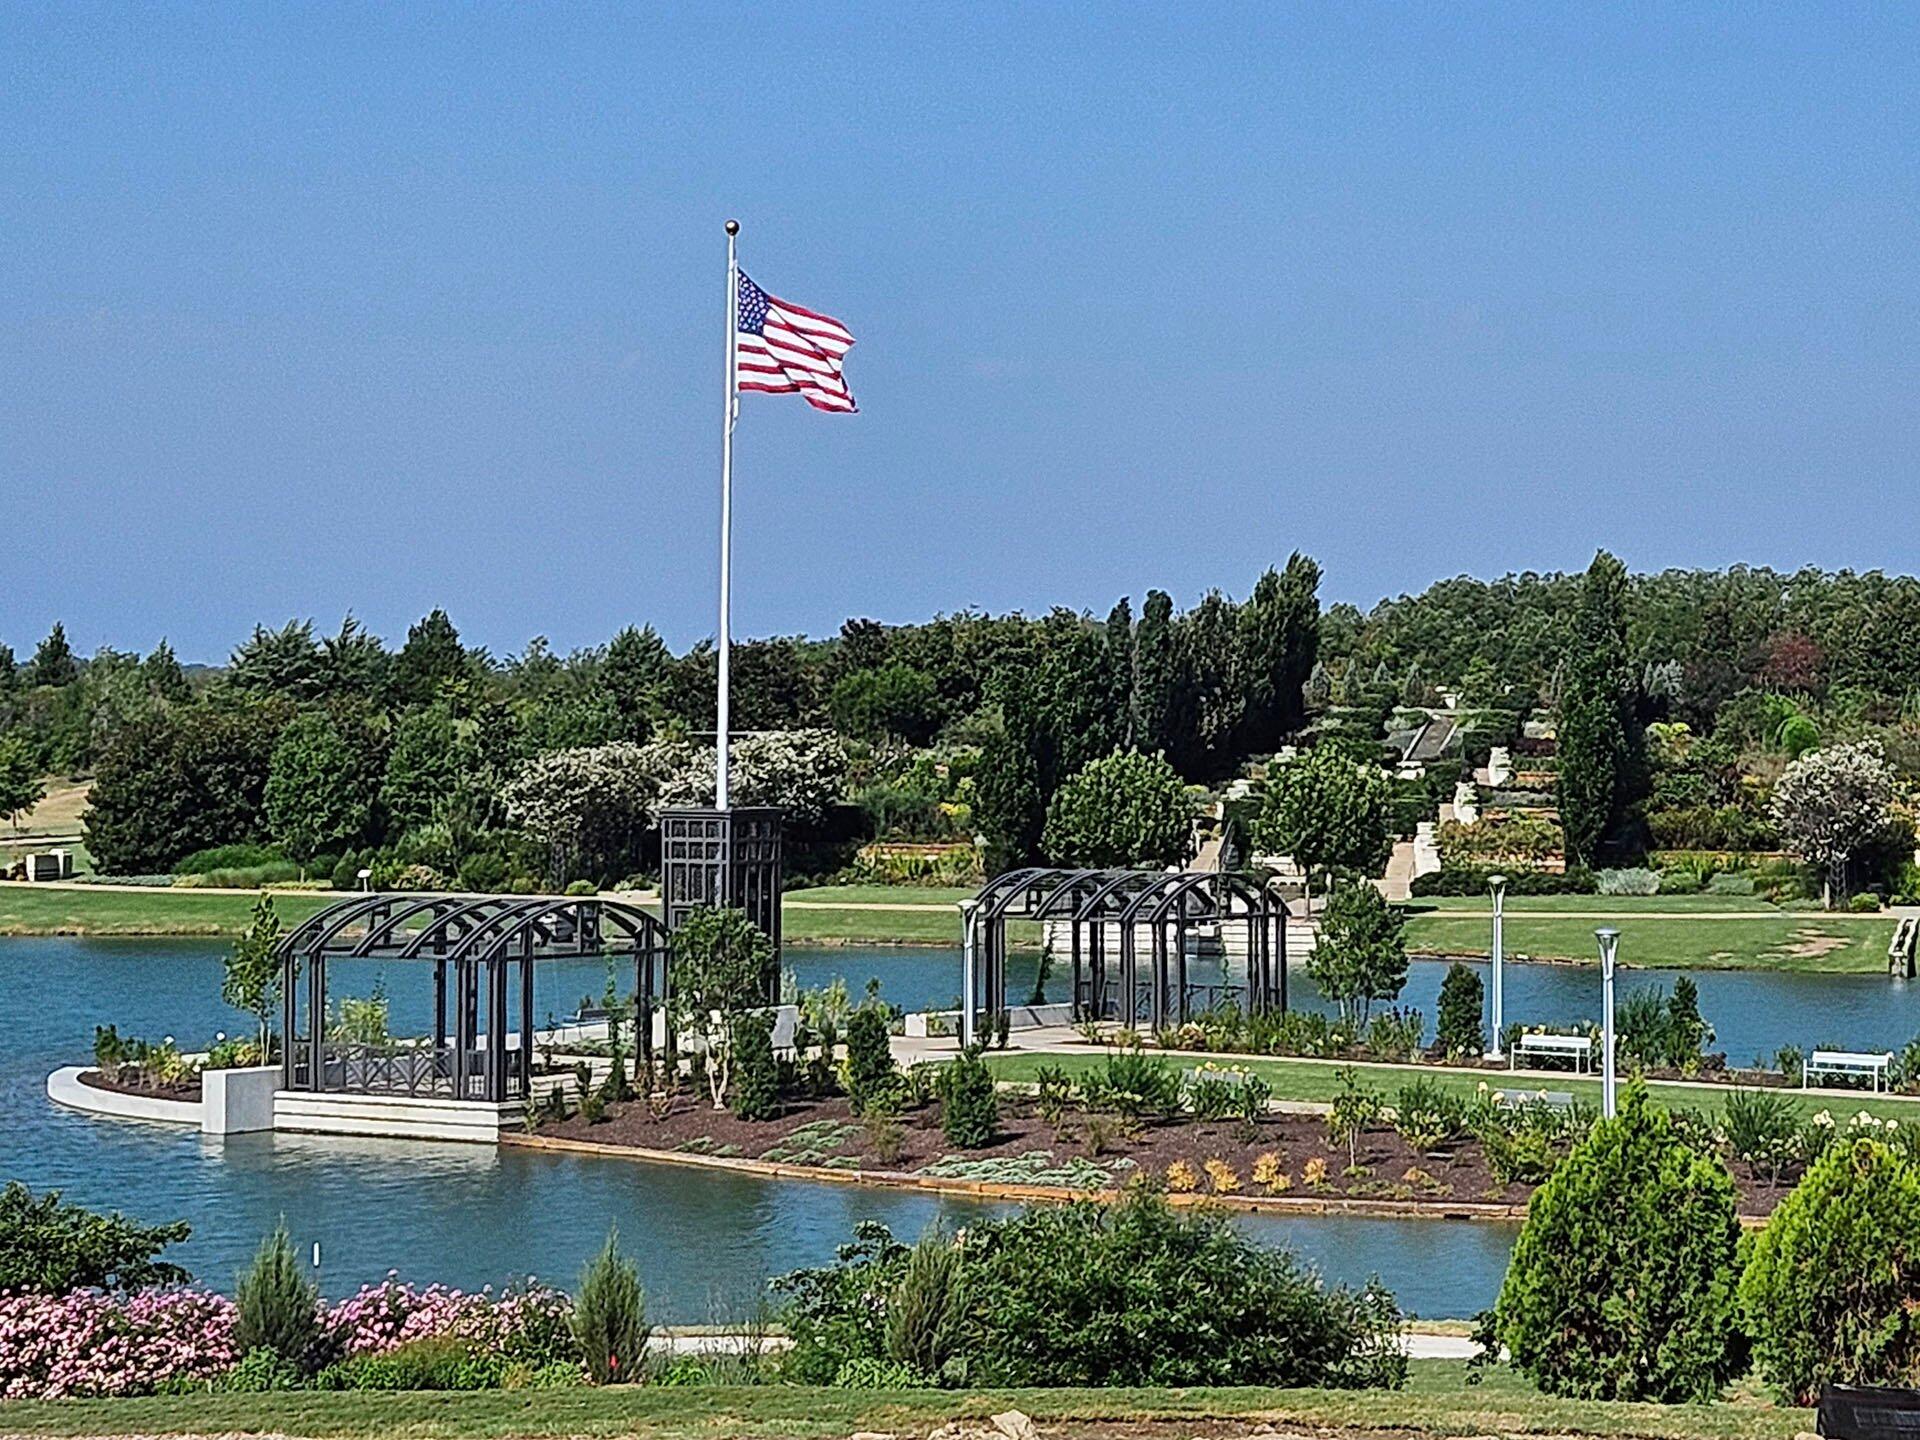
{"type": "Point", "coordinates": [1577, 1048]}
{"type": "Point", "coordinates": [1873, 1067]}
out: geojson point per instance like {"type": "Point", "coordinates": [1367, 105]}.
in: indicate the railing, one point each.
{"type": "Point", "coordinates": [417, 1069]}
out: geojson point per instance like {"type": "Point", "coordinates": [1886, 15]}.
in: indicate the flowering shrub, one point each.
{"type": "Point", "coordinates": [91, 1343]}
{"type": "Point", "coordinates": [530, 1325]}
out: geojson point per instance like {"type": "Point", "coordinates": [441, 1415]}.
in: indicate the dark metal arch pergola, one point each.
{"type": "Point", "coordinates": [481, 948]}
{"type": "Point", "coordinates": [1106, 912]}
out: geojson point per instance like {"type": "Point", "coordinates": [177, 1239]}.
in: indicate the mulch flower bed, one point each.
{"type": "Point", "coordinates": [98, 1080]}
{"type": "Point", "coordinates": [1281, 1155]}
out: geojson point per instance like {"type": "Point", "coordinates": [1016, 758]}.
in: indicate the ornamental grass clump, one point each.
{"type": "Point", "coordinates": [610, 1316]}
{"type": "Point", "coordinates": [1622, 1282]}
{"type": "Point", "coordinates": [1831, 1293]}
{"type": "Point", "coordinates": [926, 1312]}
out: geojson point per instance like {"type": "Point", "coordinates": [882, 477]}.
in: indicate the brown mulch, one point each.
{"type": "Point", "coordinates": [1393, 1169]}
{"type": "Point", "coordinates": [1390, 1168]}
{"type": "Point", "coordinates": [98, 1080]}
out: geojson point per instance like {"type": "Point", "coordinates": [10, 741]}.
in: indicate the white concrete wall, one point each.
{"type": "Point", "coordinates": [1019, 1017]}
{"type": "Point", "coordinates": [64, 1088]}
{"type": "Point", "coordinates": [423, 1118]}
{"type": "Point", "coordinates": [238, 1102]}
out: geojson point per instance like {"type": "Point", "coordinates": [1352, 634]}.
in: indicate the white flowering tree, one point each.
{"type": "Point", "coordinates": [587, 806]}
{"type": "Point", "coordinates": [802, 771]}
{"type": "Point", "coordinates": [1831, 804]}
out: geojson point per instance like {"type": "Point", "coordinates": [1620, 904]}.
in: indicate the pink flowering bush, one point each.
{"type": "Point", "coordinates": [531, 1324]}
{"type": "Point", "coordinates": [90, 1343]}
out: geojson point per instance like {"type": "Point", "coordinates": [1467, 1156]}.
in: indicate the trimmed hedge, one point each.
{"type": "Point", "coordinates": [1472, 880]}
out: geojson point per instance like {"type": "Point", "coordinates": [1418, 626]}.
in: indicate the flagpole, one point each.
{"type": "Point", "coordinates": [726, 520]}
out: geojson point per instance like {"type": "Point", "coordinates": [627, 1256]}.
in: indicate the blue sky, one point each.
{"type": "Point", "coordinates": [313, 308]}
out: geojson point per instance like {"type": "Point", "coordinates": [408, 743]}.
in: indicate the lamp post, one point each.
{"type": "Point", "coordinates": [1498, 885]}
{"type": "Point", "coordinates": [1609, 939]}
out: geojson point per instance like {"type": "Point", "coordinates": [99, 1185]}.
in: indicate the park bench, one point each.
{"type": "Point", "coordinates": [1561, 1100]}
{"type": "Point", "coordinates": [1577, 1048]}
{"type": "Point", "coordinates": [1857, 1064]}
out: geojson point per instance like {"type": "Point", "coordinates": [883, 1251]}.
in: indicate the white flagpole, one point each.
{"type": "Point", "coordinates": [726, 519]}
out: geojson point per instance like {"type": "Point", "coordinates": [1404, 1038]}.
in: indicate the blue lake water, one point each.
{"type": "Point", "coordinates": [470, 1215]}
{"type": "Point", "coordinates": [706, 1242]}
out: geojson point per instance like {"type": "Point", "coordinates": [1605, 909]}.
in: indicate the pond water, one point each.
{"type": "Point", "coordinates": [469, 1215]}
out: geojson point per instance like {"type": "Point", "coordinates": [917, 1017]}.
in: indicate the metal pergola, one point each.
{"type": "Point", "coordinates": [482, 947]}
{"type": "Point", "coordinates": [1167, 909]}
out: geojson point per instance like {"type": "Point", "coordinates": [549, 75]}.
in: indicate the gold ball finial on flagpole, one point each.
{"type": "Point", "coordinates": [733, 227]}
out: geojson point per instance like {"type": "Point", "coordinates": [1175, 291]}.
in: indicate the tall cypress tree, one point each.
{"type": "Point", "coordinates": [1118, 637]}
{"type": "Point", "coordinates": [1596, 728]}
{"type": "Point", "coordinates": [1154, 670]}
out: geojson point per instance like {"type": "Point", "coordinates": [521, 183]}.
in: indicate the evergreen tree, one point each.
{"type": "Point", "coordinates": [283, 662]}
{"type": "Point", "coordinates": [631, 679]}
{"type": "Point", "coordinates": [354, 662]}
{"type": "Point", "coordinates": [432, 657]}
{"type": "Point", "coordinates": [160, 672]}
{"type": "Point", "coordinates": [1118, 637]}
{"type": "Point", "coordinates": [423, 767]}
{"type": "Point", "coordinates": [9, 670]}
{"type": "Point", "coordinates": [20, 785]}
{"type": "Point", "coordinates": [1279, 643]}
{"type": "Point", "coordinates": [1155, 670]}
{"type": "Point", "coordinates": [1209, 705]}
{"type": "Point", "coordinates": [320, 789]}
{"type": "Point", "coordinates": [53, 663]}
{"type": "Point", "coordinates": [1598, 765]}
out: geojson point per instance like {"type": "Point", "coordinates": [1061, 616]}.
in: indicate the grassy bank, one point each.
{"type": "Point", "coordinates": [1319, 1081]}
{"type": "Point", "coordinates": [1658, 933]}
{"type": "Point", "coordinates": [820, 917]}
{"type": "Point", "coordinates": [1436, 1402]}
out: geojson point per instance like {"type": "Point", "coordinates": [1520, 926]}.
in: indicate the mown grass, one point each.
{"type": "Point", "coordinates": [1319, 1081]}
{"type": "Point", "coordinates": [1793, 941]}
{"type": "Point", "coordinates": [115, 910]}
{"type": "Point", "coordinates": [1437, 1401]}
{"type": "Point", "coordinates": [109, 910]}
{"type": "Point", "coordinates": [1621, 905]}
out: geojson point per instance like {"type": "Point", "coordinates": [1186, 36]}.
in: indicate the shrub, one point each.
{"type": "Point", "coordinates": [1396, 1034]}
{"type": "Point", "coordinates": [1059, 1295]}
{"type": "Point", "coordinates": [1214, 1093]}
{"type": "Point", "coordinates": [49, 1246]}
{"type": "Point", "coordinates": [755, 1092]}
{"type": "Point", "coordinates": [1830, 1294]}
{"type": "Point", "coordinates": [926, 1313]}
{"type": "Point", "coordinates": [1059, 1291]}
{"type": "Point", "coordinates": [870, 1075]}
{"type": "Point", "coordinates": [1472, 880]}
{"type": "Point", "coordinates": [244, 856]}
{"type": "Point", "coordinates": [433, 1362]}
{"type": "Point", "coordinates": [969, 1106]}
{"type": "Point", "coordinates": [1627, 882]}
{"type": "Point", "coordinates": [90, 1342]}
{"type": "Point", "coordinates": [1461, 1000]}
{"type": "Point", "coordinates": [1133, 1085]}
{"type": "Point", "coordinates": [1729, 882]}
{"type": "Point", "coordinates": [278, 1308]}
{"type": "Point", "coordinates": [1865, 903]}
{"type": "Point", "coordinates": [1622, 1282]}
{"type": "Point", "coordinates": [610, 1316]}
{"type": "Point", "coordinates": [1429, 1117]}
{"type": "Point", "coordinates": [1680, 882]}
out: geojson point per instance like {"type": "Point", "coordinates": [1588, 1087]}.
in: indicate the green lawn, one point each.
{"type": "Point", "coordinates": [1319, 1080]}
{"type": "Point", "coordinates": [1794, 940]}
{"type": "Point", "coordinates": [1436, 1402]}
{"type": "Point", "coordinates": [942, 897]}
{"type": "Point", "coordinates": [114, 910]}
{"type": "Point", "coordinates": [1622, 905]}
{"type": "Point", "coordinates": [109, 910]}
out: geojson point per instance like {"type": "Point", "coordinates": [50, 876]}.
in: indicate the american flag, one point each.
{"type": "Point", "coordinates": [783, 348]}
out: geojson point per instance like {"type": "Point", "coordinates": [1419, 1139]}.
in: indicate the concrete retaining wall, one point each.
{"type": "Point", "coordinates": [64, 1088]}
{"type": "Point", "coordinates": [238, 1102]}
{"type": "Point", "coordinates": [397, 1116]}
{"type": "Point", "coordinates": [922, 1023]}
